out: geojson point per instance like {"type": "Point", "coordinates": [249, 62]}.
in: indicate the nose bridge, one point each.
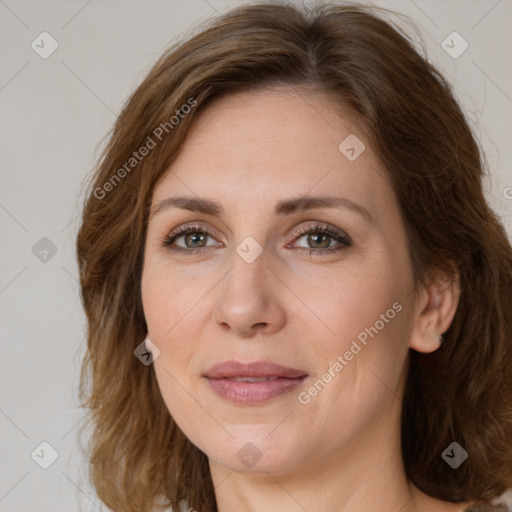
{"type": "Point", "coordinates": [246, 283]}
{"type": "Point", "coordinates": [247, 298]}
{"type": "Point", "coordinates": [249, 258]}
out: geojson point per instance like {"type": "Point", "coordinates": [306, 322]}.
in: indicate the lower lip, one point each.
{"type": "Point", "coordinates": [253, 392]}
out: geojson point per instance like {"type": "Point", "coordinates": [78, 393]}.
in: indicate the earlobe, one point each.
{"type": "Point", "coordinates": [435, 311]}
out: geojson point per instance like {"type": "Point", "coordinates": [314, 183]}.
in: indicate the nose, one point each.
{"type": "Point", "coordinates": [248, 302]}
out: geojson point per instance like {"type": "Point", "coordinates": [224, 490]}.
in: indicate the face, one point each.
{"type": "Point", "coordinates": [277, 285]}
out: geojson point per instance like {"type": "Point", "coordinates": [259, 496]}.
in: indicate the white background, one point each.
{"type": "Point", "coordinates": [55, 113]}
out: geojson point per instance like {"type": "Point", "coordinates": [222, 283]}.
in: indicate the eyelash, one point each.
{"type": "Point", "coordinates": [343, 239]}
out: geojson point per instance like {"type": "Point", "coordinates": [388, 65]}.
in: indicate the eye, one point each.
{"type": "Point", "coordinates": [193, 238]}
{"type": "Point", "coordinates": [319, 238]}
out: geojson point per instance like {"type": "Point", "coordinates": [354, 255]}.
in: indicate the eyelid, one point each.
{"type": "Point", "coordinates": [197, 225]}
{"type": "Point", "coordinates": [322, 227]}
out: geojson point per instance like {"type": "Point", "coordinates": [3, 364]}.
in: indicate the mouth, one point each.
{"type": "Point", "coordinates": [250, 379]}
{"type": "Point", "coordinates": [253, 383]}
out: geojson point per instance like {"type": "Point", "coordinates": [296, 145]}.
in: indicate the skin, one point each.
{"type": "Point", "coordinates": [341, 450]}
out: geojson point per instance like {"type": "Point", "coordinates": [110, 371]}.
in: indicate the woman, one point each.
{"type": "Point", "coordinates": [288, 223]}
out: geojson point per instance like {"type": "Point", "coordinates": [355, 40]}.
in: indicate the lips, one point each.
{"type": "Point", "coordinates": [252, 383]}
{"type": "Point", "coordinates": [230, 369]}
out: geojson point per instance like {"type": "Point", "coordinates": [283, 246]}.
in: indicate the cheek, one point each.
{"type": "Point", "coordinates": [167, 299]}
{"type": "Point", "coordinates": [169, 316]}
{"type": "Point", "coordinates": [353, 303]}
{"type": "Point", "coordinates": [176, 395]}
{"type": "Point", "coordinates": [367, 319]}
{"type": "Point", "coordinates": [169, 312]}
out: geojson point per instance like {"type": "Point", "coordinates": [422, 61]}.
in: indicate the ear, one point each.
{"type": "Point", "coordinates": [436, 306]}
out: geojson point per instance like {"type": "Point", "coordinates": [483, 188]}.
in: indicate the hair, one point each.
{"type": "Point", "coordinates": [361, 60]}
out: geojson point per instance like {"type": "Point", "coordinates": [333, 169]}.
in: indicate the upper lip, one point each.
{"type": "Point", "coordinates": [257, 369]}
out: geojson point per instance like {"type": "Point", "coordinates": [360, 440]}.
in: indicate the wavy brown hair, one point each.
{"type": "Point", "coordinates": [359, 58]}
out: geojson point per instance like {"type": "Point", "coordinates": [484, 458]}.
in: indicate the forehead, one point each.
{"type": "Point", "coordinates": [267, 144]}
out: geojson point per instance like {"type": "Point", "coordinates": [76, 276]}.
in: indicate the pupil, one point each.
{"type": "Point", "coordinates": [313, 239]}
{"type": "Point", "coordinates": [194, 238]}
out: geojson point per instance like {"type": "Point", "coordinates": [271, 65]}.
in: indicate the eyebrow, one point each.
{"type": "Point", "coordinates": [209, 207]}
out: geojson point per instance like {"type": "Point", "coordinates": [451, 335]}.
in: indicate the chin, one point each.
{"type": "Point", "coordinates": [251, 450]}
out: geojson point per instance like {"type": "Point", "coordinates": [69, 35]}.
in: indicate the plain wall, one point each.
{"type": "Point", "coordinates": [55, 113]}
